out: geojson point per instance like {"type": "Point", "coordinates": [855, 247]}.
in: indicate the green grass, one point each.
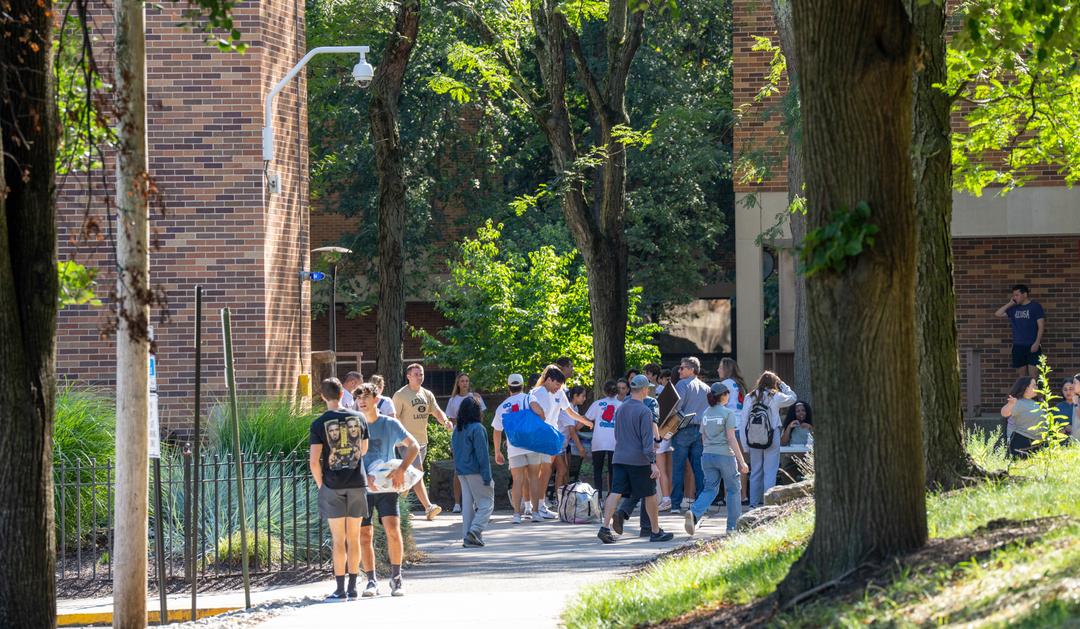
{"type": "Point", "coordinates": [83, 432]}
{"type": "Point", "coordinates": [1019, 584]}
{"type": "Point", "coordinates": [267, 425]}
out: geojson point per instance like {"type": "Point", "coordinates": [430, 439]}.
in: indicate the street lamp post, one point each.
{"type": "Point", "coordinates": [333, 256]}
{"type": "Point", "coordinates": [362, 73]}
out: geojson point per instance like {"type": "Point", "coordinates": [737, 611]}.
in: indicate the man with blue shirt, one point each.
{"type": "Point", "coordinates": [686, 444]}
{"type": "Point", "coordinates": [1028, 324]}
{"type": "Point", "coordinates": [384, 435]}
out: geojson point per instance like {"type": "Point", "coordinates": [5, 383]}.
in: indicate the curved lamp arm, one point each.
{"type": "Point", "coordinates": [268, 128]}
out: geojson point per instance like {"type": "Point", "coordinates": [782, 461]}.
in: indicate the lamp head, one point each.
{"type": "Point", "coordinates": [362, 72]}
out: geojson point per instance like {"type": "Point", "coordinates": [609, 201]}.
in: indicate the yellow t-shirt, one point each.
{"type": "Point", "coordinates": [413, 411]}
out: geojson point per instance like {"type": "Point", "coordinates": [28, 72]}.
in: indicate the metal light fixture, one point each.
{"type": "Point", "coordinates": [333, 255]}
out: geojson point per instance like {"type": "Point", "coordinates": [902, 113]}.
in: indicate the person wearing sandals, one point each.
{"type": "Point", "coordinates": [473, 467]}
{"type": "Point", "coordinates": [721, 459]}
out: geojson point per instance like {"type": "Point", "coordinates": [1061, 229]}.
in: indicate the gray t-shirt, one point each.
{"type": "Point", "coordinates": [714, 426]}
{"type": "Point", "coordinates": [634, 443]}
{"type": "Point", "coordinates": [693, 397]}
{"type": "Point", "coordinates": [1025, 416]}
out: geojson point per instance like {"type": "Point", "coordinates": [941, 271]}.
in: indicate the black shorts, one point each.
{"type": "Point", "coordinates": [632, 480]}
{"type": "Point", "coordinates": [1022, 356]}
{"type": "Point", "coordinates": [385, 502]}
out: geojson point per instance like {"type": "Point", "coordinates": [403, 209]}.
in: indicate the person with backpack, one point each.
{"type": "Point", "coordinates": [762, 432]}
{"type": "Point", "coordinates": [722, 460]}
{"type": "Point", "coordinates": [473, 467]}
{"type": "Point", "coordinates": [602, 413]}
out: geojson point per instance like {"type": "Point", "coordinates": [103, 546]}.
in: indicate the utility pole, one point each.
{"type": "Point", "coordinates": [132, 334]}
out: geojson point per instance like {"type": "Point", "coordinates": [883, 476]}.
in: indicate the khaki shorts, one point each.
{"type": "Point", "coordinates": [529, 458]}
{"type": "Point", "coordinates": [418, 462]}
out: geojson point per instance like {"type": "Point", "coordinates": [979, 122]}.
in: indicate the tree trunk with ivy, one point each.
{"type": "Point", "coordinates": [855, 73]}
{"type": "Point", "coordinates": [28, 306]}
{"type": "Point", "coordinates": [947, 462]}
{"type": "Point", "coordinates": [386, 139]}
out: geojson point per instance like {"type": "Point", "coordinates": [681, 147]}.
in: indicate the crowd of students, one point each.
{"type": "Point", "coordinates": [733, 431]}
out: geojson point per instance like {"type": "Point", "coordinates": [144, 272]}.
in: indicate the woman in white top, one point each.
{"type": "Point", "coordinates": [732, 378]}
{"type": "Point", "coordinates": [774, 394]}
{"type": "Point", "coordinates": [462, 389]}
{"type": "Point", "coordinates": [602, 414]}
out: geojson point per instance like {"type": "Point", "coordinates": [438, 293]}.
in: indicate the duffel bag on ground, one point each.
{"type": "Point", "coordinates": [578, 504]}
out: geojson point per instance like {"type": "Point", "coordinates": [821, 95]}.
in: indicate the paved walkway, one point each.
{"type": "Point", "coordinates": [524, 576]}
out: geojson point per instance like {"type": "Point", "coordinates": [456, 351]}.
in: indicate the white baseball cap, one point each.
{"type": "Point", "coordinates": [515, 380]}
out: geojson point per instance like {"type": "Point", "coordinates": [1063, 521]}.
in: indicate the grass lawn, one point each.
{"type": "Point", "coordinates": [971, 573]}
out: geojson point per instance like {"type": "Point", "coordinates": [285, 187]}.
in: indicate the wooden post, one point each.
{"type": "Point", "coordinates": [132, 340]}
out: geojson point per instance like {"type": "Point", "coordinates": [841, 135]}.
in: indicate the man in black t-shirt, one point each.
{"type": "Point", "coordinates": [339, 440]}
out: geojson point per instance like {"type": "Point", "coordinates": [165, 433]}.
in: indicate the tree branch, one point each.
{"type": "Point", "coordinates": [588, 79]}
{"type": "Point", "coordinates": [627, 48]}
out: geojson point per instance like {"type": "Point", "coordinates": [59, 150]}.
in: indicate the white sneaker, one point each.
{"type": "Point", "coordinates": [456, 509]}
{"type": "Point", "coordinates": [526, 508]}
{"type": "Point", "coordinates": [665, 504]}
{"type": "Point", "coordinates": [546, 513]}
{"type": "Point", "coordinates": [536, 517]}
{"type": "Point", "coordinates": [516, 519]}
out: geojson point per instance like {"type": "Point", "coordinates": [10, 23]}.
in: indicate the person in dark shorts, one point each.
{"type": "Point", "coordinates": [634, 470]}
{"type": "Point", "coordinates": [1028, 324]}
{"type": "Point", "coordinates": [339, 440]}
{"type": "Point", "coordinates": [385, 434]}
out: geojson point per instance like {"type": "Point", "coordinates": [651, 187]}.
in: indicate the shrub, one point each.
{"type": "Point", "coordinates": [274, 424]}
{"type": "Point", "coordinates": [83, 447]}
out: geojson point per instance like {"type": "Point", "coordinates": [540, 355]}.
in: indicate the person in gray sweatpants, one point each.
{"type": "Point", "coordinates": [473, 467]}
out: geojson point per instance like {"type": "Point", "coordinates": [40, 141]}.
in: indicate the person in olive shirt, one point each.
{"type": "Point", "coordinates": [414, 406]}
{"type": "Point", "coordinates": [339, 440]}
{"type": "Point", "coordinates": [634, 468]}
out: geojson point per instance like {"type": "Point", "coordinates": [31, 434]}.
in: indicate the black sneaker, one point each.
{"type": "Point", "coordinates": [617, 521]}
{"type": "Point", "coordinates": [661, 536]}
{"type": "Point", "coordinates": [338, 595]}
{"type": "Point", "coordinates": [605, 535]}
{"type": "Point", "coordinates": [473, 539]}
{"type": "Point", "coordinates": [352, 594]}
{"type": "Point", "coordinates": [397, 587]}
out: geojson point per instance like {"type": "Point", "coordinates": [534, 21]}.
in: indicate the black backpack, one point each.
{"type": "Point", "coordinates": [759, 431]}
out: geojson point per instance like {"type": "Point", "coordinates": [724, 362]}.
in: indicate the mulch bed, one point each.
{"type": "Point", "coordinates": [938, 553]}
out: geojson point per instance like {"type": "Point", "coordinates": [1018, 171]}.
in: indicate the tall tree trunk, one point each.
{"type": "Point", "coordinates": [132, 338]}
{"type": "Point", "coordinates": [786, 30]}
{"type": "Point", "coordinates": [385, 135]}
{"type": "Point", "coordinates": [28, 305]}
{"type": "Point", "coordinates": [855, 64]}
{"type": "Point", "coordinates": [947, 462]}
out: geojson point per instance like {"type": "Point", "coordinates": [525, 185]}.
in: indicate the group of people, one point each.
{"type": "Point", "coordinates": [731, 432]}
{"type": "Point", "coordinates": [1023, 418]}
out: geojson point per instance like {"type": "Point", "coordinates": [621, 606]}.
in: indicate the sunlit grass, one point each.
{"type": "Point", "coordinates": [1016, 584]}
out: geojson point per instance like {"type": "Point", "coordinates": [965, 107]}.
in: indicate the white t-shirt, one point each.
{"type": "Point", "coordinates": [386, 406]}
{"type": "Point", "coordinates": [733, 401]}
{"type": "Point", "coordinates": [454, 405]}
{"type": "Point", "coordinates": [509, 405]}
{"type": "Point", "coordinates": [565, 421]}
{"type": "Point", "coordinates": [551, 403]}
{"type": "Point", "coordinates": [602, 414]}
{"type": "Point", "coordinates": [347, 400]}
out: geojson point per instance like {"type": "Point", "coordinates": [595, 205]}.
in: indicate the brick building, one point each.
{"type": "Point", "coordinates": [1029, 236]}
{"type": "Point", "coordinates": [215, 224]}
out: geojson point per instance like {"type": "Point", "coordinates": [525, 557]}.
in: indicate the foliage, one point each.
{"type": "Point", "coordinates": [845, 236]}
{"type": "Point", "coordinates": [267, 424]}
{"type": "Point", "coordinates": [987, 449]}
{"type": "Point", "coordinates": [1013, 74]}
{"type": "Point", "coordinates": [1016, 580]}
{"type": "Point", "coordinates": [83, 443]}
{"type": "Point", "coordinates": [85, 424]}
{"type": "Point", "coordinates": [76, 284]}
{"type": "Point", "coordinates": [1052, 428]}
{"type": "Point", "coordinates": [516, 313]}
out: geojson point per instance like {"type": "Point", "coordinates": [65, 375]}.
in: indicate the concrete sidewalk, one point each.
{"type": "Point", "coordinates": [525, 575]}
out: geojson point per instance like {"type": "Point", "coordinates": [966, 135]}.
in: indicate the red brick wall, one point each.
{"type": "Point", "coordinates": [759, 128]}
{"type": "Point", "coordinates": [986, 269]}
{"type": "Point", "coordinates": [212, 225]}
{"type": "Point", "coordinates": [358, 334]}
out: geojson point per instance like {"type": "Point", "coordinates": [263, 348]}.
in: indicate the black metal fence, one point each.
{"type": "Point", "coordinates": [284, 530]}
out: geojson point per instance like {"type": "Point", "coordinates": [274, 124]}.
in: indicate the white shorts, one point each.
{"type": "Point", "coordinates": [664, 447]}
{"type": "Point", "coordinates": [529, 458]}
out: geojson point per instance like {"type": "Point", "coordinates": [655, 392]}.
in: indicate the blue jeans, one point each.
{"type": "Point", "coordinates": [719, 467]}
{"type": "Point", "coordinates": [686, 444]}
{"type": "Point", "coordinates": [763, 467]}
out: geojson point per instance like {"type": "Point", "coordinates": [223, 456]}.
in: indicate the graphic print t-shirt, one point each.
{"type": "Point", "coordinates": [413, 411]}
{"type": "Point", "coordinates": [1024, 320]}
{"type": "Point", "coordinates": [602, 414]}
{"type": "Point", "coordinates": [341, 434]}
{"type": "Point", "coordinates": [511, 404]}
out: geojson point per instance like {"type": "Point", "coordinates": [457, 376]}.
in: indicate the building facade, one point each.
{"type": "Point", "coordinates": [1029, 236]}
